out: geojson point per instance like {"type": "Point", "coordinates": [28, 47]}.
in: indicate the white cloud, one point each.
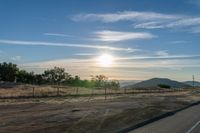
{"type": "Point", "coordinates": [118, 61]}
{"type": "Point", "coordinates": [160, 57]}
{"type": "Point", "coordinates": [36, 43]}
{"type": "Point", "coordinates": [121, 67]}
{"type": "Point", "coordinates": [16, 58]}
{"type": "Point", "coordinates": [195, 29]}
{"type": "Point", "coordinates": [150, 25]}
{"type": "Point", "coordinates": [195, 2]}
{"type": "Point", "coordinates": [191, 24]}
{"type": "Point", "coordinates": [85, 54]}
{"type": "Point", "coordinates": [184, 22]}
{"type": "Point", "coordinates": [162, 53]}
{"type": "Point", "coordinates": [178, 42]}
{"type": "Point", "coordinates": [57, 34]}
{"type": "Point", "coordinates": [2, 54]}
{"type": "Point", "coordinates": [114, 36]}
{"type": "Point", "coordinates": [124, 16]}
{"type": "Point", "coordinates": [145, 20]}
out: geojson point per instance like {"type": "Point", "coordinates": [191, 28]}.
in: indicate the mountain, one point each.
{"type": "Point", "coordinates": [155, 81]}
{"type": "Point", "coordinates": [124, 83]}
{"type": "Point", "coordinates": [196, 83]}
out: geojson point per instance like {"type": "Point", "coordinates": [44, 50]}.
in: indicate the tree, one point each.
{"type": "Point", "coordinates": [115, 84]}
{"type": "Point", "coordinates": [76, 81]}
{"type": "Point", "coordinates": [100, 80]}
{"type": "Point", "coordinates": [39, 79]}
{"type": "Point", "coordinates": [55, 75]}
{"type": "Point", "coordinates": [8, 71]}
{"type": "Point", "coordinates": [25, 77]}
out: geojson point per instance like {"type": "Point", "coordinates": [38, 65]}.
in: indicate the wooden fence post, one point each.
{"type": "Point", "coordinates": [124, 90]}
{"type": "Point", "coordinates": [92, 91]}
{"type": "Point", "coordinates": [58, 91]}
{"type": "Point", "coordinates": [77, 91]}
{"type": "Point", "coordinates": [33, 93]}
{"type": "Point", "coordinates": [105, 93]}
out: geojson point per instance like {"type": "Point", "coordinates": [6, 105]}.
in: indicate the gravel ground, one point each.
{"type": "Point", "coordinates": [86, 114]}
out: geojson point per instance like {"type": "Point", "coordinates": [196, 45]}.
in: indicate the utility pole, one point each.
{"type": "Point", "coordinates": [193, 81]}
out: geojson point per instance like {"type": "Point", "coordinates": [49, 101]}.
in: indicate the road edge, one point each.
{"type": "Point", "coordinates": [156, 118]}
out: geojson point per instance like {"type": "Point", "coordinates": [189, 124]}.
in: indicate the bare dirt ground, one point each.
{"type": "Point", "coordinates": [87, 114]}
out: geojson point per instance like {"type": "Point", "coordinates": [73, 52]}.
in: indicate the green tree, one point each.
{"type": "Point", "coordinates": [39, 79]}
{"type": "Point", "coordinates": [8, 71]}
{"type": "Point", "coordinates": [100, 80]}
{"type": "Point", "coordinates": [25, 77]}
{"type": "Point", "coordinates": [164, 86]}
{"type": "Point", "coordinates": [115, 84]}
{"type": "Point", "coordinates": [56, 75]}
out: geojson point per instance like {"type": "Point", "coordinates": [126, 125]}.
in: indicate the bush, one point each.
{"type": "Point", "coordinates": [164, 86]}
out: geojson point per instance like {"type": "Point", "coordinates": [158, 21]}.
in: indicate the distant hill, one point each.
{"type": "Point", "coordinates": [196, 83]}
{"type": "Point", "coordinates": [155, 81]}
{"type": "Point", "coordinates": [7, 84]}
{"type": "Point", "coordinates": [124, 83]}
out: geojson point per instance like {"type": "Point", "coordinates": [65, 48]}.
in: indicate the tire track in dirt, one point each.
{"type": "Point", "coordinates": [102, 121]}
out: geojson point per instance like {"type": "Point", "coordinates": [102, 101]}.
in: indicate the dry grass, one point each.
{"type": "Point", "coordinates": [78, 115]}
{"type": "Point", "coordinates": [45, 91]}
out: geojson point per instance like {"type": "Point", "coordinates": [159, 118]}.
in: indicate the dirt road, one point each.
{"type": "Point", "coordinates": [79, 115]}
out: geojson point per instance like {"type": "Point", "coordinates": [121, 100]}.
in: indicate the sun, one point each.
{"type": "Point", "coordinates": [105, 60]}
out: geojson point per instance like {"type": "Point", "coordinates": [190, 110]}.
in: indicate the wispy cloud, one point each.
{"type": "Point", "coordinates": [57, 34]}
{"type": "Point", "coordinates": [124, 16]}
{"type": "Point", "coordinates": [122, 67]}
{"type": "Point", "coordinates": [195, 29]}
{"type": "Point", "coordinates": [178, 42]}
{"type": "Point", "coordinates": [162, 56]}
{"type": "Point", "coordinates": [1, 52]}
{"type": "Point", "coordinates": [192, 24]}
{"type": "Point", "coordinates": [145, 20]}
{"type": "Point", "coordinates": [114, 36]}
{"type": "Point", "coordinates": [36, 43]}
{"type": "Point", "coordinates": [150, 25]}
{"type": "Point", "coordinates": [162, 53]}
{"type": "Point", "coordinates": [187, 21]}
{"type": "Point", "coordinates": [16, 58]}
{"type": "Point", "coordinates": [93, 62]}
{"type": "Point", "coordinates": [194, 2]}
{"type": "Point", "coordinates": [85, 54]}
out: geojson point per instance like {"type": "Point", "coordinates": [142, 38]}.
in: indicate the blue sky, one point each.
{"type": "Point", "coordinates": [146, 38]}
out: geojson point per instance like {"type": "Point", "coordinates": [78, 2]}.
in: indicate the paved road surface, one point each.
{"type": "Point", "coordinates": [186, 121]}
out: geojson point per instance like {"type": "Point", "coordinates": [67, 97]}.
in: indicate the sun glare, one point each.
{"type": "Point", "coordinates": [105, 60]}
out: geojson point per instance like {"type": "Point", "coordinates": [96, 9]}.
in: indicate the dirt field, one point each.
{"type": "Point", "coordinates": [86, 114]}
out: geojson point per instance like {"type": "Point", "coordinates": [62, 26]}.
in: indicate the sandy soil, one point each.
{"type": "Point", "coordinates": [86, 114]}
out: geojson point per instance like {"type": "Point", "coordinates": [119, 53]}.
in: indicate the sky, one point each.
{"type": "Point", "coordinates": [145, 38]}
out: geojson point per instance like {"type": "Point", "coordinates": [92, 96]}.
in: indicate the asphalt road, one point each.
{"type": "Point", "coordinates": [186, 121]}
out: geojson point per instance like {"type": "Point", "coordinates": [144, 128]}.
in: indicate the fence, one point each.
{"type": "Point", "coordinates": [52, 91]}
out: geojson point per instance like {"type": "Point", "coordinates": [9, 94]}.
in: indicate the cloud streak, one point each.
{"type": "Point", "coordinates": [124, 16]}
{"type": "Point", "coordinates": [93, 62]}
{"type": "Point", "coordinates": [39, 43]}
{"type": "Point", "coordinates": [145, 20]}
{"type": "Point", "coordinates": [121, 67]}
{"type": "Point", "coordinates": [163, 55]}
{"type": "Point", "coordinates": [192, 24]}
{"type": "Point", "coordinates": [85, 54]}
{"type": "Point", "coordinates": [115, 36]}
{"type": "Point", "coordinates": [16, 58]}
{"type": "Point", "coordinates": [57, 34]}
